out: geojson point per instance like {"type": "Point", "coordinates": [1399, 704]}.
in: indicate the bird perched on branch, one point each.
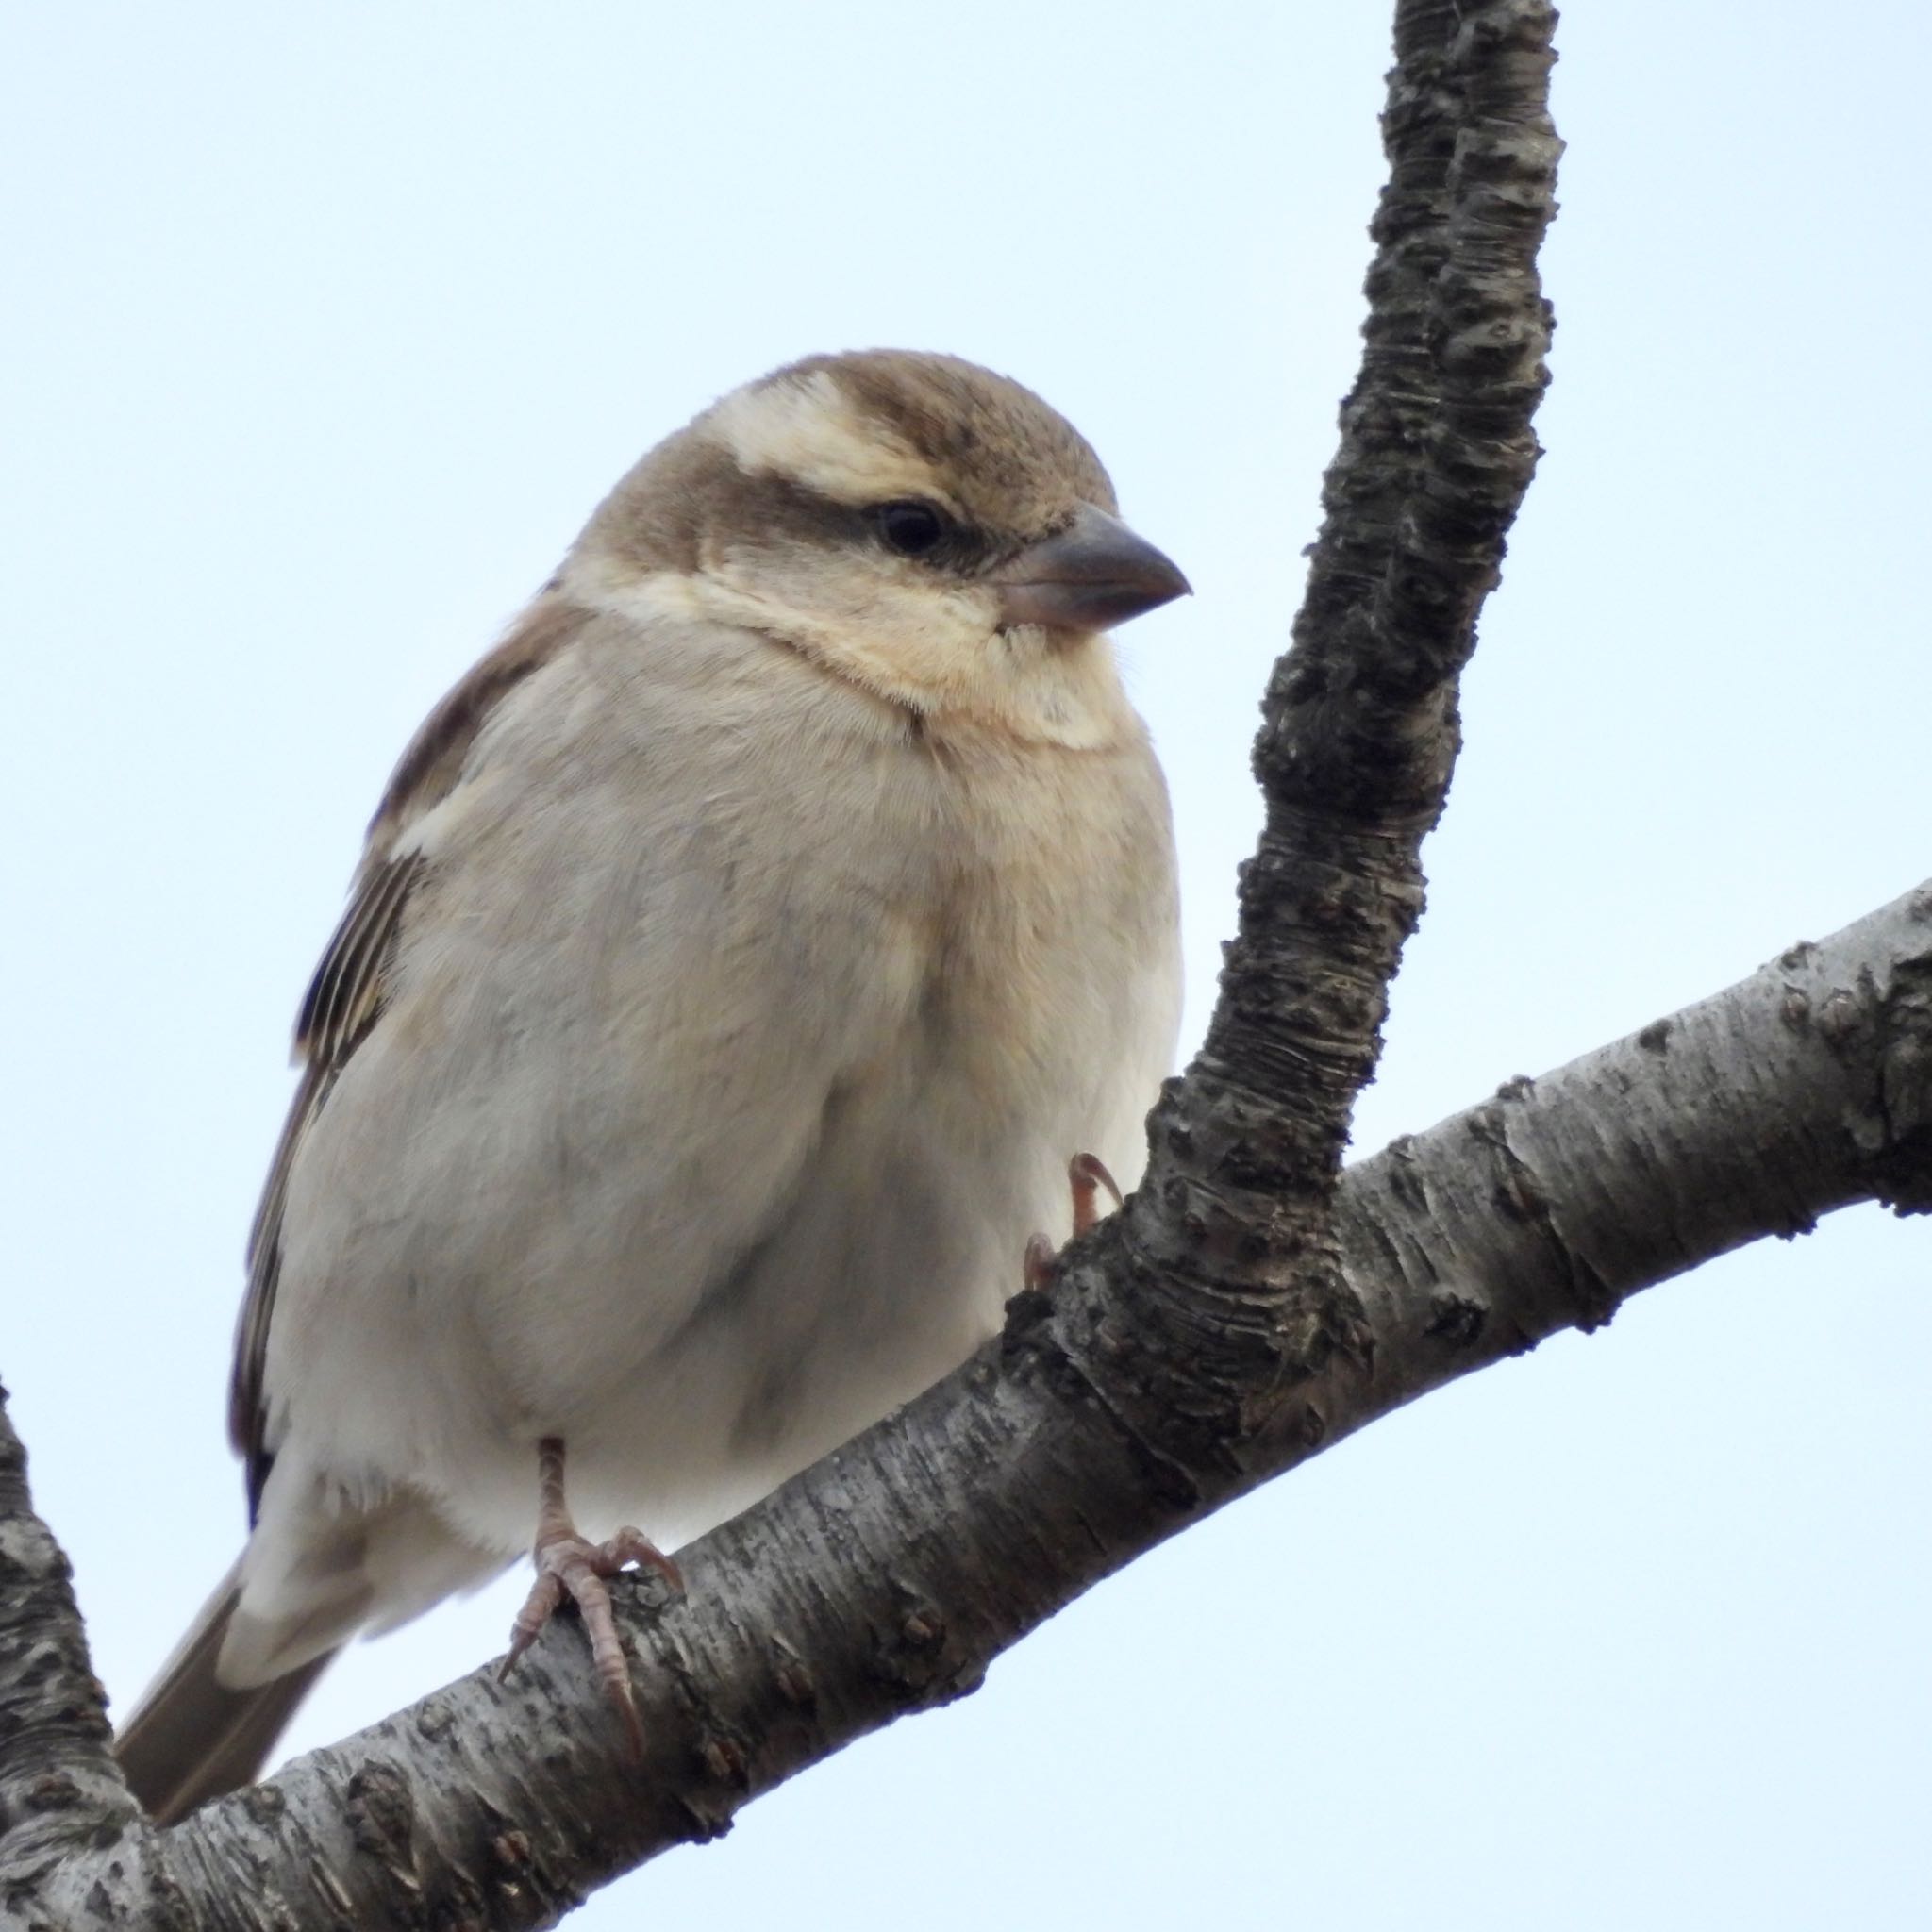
{"type": "Point", "coordinates": [738, 954]}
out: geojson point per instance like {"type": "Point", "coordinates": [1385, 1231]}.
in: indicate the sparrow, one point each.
{"type": "Point", "coordinates": [738, 955]}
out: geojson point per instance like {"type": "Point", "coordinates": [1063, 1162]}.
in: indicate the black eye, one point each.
{"type": "Point", "coordinates": [910, 527]}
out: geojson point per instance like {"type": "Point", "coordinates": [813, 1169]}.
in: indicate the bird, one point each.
{"type": "Point", "coordinates": [739, 953]}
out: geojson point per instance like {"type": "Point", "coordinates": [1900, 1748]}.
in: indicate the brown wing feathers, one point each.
{"type": "Point", "coordinates": [351, 985]}
{"type": "Point", "coordinates": [344, 1000]}
{"type": "Point", "coordinates": [345, 995]}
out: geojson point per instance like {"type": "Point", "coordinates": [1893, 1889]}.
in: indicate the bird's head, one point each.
{"type": "Point", "coordinates": [922, 526]}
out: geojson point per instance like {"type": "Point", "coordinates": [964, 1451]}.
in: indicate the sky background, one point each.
{"type": "Point", "coordinates": [327, 328]}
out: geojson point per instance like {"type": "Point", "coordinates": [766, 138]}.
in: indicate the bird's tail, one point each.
{"type": "Point", "coordinates": [190, 1738]}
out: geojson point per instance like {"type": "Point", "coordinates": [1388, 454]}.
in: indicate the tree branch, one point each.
{"type": "Point", "coordinates": [1232, 1280]}
{"type": "Point", "coordinates": [886, 1578]}
{"type": "Point", "coordinates": [1799, 1090]}
{"type": "Point", "coordinates": [59, 1783]}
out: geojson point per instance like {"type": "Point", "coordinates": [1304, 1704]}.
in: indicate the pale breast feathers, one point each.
{"type": "Point", "coordinates": [350, 988]}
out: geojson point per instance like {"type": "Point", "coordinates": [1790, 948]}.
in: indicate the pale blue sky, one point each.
{"type": "Point", "coordinates": [328, 329]}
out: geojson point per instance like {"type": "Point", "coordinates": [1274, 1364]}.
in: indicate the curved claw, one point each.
{"type": "Point", "coordinates": [1040, 1263]}
{"type": "Point", "coordinates": [1086, 1176]}
{"type": "Point", "coordinates": [570, 1566]}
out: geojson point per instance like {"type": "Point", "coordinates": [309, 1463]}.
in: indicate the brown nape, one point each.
{"type": "Point", "coordinates": [653, 515]}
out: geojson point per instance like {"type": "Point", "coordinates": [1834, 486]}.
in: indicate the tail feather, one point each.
{"type": "Point", "coordinates": [190, 1738]}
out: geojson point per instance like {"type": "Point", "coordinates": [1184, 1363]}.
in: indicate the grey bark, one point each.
{"type": "Point", "coordinates": [883, 1581]}
{"type": "Point", "coordinates": [1247, 1307]}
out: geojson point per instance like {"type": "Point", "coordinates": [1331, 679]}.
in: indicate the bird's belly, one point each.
{"type": "Point", "coordinates": [890, 1263]}
{"type": "Point", "coordinates": [683, 1388]}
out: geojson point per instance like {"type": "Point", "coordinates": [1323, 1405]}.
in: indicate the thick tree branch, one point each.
{"type": "Point", "coordinates": [887, 1578]}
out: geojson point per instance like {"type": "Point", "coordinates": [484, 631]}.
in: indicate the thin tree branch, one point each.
{"type": "Point", "coordinates": [1795, 1092]}
{"type": "Point", "coordinates": [1232, 1273]}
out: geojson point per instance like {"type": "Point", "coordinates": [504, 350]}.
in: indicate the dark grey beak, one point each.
{"type": "Point", "coordinates": [1094, 574]}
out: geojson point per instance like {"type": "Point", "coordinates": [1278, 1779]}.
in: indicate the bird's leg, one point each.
{"type": "Point", "coordinates": [1086, 1176]}
{"type": "Point", "coordinates": [569, 1566]}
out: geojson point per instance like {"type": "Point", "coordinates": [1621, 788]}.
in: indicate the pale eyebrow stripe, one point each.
{"type": "Point", "coordinates": [807, 427]}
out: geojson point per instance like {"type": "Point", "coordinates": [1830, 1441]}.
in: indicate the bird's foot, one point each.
{"type": "Point", "coordinates": [571, 1566]}
{"type": "Point", "coordinates": [1086, 1176]}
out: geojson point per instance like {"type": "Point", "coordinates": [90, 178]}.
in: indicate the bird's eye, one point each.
{"type": "Point", "coordinates": [910, 527]}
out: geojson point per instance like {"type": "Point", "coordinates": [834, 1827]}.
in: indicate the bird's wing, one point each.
{"type": "Point", "coordinates": [351, 985]}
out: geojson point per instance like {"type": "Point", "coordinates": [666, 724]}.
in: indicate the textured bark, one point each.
{"type": "Point", "coordinates": [1802, 1090]}
{"type": "Point", "coordinates": [60, 1787]}
{"type": "Point", "coordinates": [1230, 1269]}
{"type": "Point", "coordinates": [886, 1579]}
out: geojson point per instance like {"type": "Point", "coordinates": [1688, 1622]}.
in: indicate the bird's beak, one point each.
{"type": "Point", "coordinates": [1093, 574]}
